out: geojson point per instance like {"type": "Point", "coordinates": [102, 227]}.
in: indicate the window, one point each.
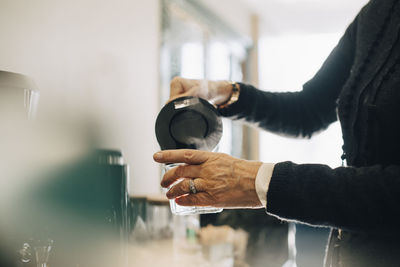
{"type": "Point", "coordinates": [196, 44]}
{"type": "Point", "coordinates": [286, 63]}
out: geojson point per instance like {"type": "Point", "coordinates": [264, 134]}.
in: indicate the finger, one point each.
{"type": "Point", "coordinates": [181, 85]}
{"type": "Point", "coordinates": [183, 188]}
{"type": "Point", "coordinates": [201, 199]}
{"type": "Point", "coordinates": [184, 171]}
{"type": "Point", "coordinates": [191, 92]}
{"type": "Point", "coordinates": [176, 86]}
{"type": "Point", "coordinates": [188, 156]}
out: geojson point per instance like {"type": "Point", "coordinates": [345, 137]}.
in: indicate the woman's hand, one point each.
{"type": "Point", "coordinates": [220, 180]}
{"type": "Point", "coordinates": [216, 92]}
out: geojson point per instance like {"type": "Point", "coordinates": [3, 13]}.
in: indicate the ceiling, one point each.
{"type": "Point", "coordinates": [304, 16]}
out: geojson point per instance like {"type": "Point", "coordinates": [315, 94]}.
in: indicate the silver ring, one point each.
{"type": "Point", "coordinates": [192, 187]}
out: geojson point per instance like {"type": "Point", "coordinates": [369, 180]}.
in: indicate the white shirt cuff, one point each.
{"type": "Point", "coordinates": [263, 179]}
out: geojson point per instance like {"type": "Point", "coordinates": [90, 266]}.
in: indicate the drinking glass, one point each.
{"type": "Point", "coordinates": [187, 210]}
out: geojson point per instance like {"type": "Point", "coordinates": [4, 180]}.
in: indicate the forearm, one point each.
{"type": "Point", "coordinates": [293, 113]}
{"type": "Point", "coordinates": [305, 112]}
{"type": "Point", "coordinates": [345, 197]}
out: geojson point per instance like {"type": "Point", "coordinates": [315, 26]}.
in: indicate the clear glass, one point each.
{"type": "Point", "coordinates": [187, 210]}
{"type": "Point", "coordinates": [158, 221]}
{"type": "Point", "coordinates": [42, 252]}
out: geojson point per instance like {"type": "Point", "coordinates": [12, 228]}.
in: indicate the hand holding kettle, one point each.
{"type": "Point", "coordinates": [217, 92]}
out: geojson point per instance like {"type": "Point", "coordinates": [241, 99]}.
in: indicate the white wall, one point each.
{"type": "Point", "coordinates": [97, 57]}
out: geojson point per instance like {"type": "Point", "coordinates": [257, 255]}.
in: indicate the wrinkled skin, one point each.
{"type": "Point", "coordinates": [221, 180]}
{"type": "Point", "coordinates": [216, 92]}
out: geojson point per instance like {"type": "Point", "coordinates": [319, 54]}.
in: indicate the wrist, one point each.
{"type": "Point", "coordinates": [247, 174]}
{"type": "Point", "coordinates": [234, 89]}
{"type": "Point", "coordinates": [226, 90]}
{"type": "Point", "coordinates": [219, 91]}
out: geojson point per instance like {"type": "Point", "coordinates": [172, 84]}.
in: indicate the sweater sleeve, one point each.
{"type": "Point", "coordinates": [345, 197]}
{"type": "Point", "coordinates": [299, 113]}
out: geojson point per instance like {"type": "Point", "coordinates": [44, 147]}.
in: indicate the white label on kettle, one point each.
{"type": "Point", "coordinates": [185, 103]}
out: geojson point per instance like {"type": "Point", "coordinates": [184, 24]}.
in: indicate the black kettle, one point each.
{"type": "Point", "coordinates": [188, 122]}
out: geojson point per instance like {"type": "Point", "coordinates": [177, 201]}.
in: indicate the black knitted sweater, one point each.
{"type": "Point", "coordinates": [359, 83]}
